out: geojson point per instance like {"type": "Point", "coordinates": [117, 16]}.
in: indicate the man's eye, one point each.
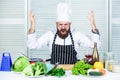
{"type": "Point", "coordinates": [60, 24]}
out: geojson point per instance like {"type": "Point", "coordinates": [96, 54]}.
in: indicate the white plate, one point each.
{"type": "Point", "coordinates": [96, 76]}
{"type": "Point", "coordinates": [33, 76]}
{"type": "Point", "coordinates": [16, 72]}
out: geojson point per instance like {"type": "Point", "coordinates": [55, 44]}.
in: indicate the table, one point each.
{"type": "Point", "coordinates": [4, 75]}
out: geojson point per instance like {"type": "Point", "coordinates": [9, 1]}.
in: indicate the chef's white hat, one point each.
{"type": "Point", "coordinates": [63, 12]}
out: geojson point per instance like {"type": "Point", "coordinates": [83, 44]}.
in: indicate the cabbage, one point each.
{"type": "Point", "coordinates": [20, 63]}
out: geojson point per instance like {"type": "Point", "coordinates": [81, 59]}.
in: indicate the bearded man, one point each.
{"type": "Point", "coordinates": [64, 42]}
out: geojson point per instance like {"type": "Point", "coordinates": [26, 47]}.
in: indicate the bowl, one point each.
{"type": "Point", "coordinates": [34, 60]}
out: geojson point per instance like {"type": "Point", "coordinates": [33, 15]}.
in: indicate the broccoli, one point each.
{"type": "Point", "coordinates": [36, 69]}
{"type": "Point", "coordinates": [40, 68]}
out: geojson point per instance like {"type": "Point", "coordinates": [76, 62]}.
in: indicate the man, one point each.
{"type": "Point", "coordinates": [64, 42]}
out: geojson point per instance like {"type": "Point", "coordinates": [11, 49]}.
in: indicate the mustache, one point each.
{"type": "Point", "coordinates": [63, 30]}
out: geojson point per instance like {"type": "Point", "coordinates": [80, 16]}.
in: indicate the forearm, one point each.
{"type": "Point", "coordinates": [88, 41]}
{"type": "Point", "coordinates": [96, 38]}
{"type": "Point", "coordinates": [32, 41]}
{"type": "Point", "coordinates": [31, 30]}
{"type": "Point", "coordinates": [95, 31]}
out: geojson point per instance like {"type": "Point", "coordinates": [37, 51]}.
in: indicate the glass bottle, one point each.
{"type": "Point", "coordinates": [95, 55]}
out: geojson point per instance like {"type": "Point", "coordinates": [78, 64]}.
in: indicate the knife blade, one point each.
{"type": "Point", "coordinates": [55, 66]}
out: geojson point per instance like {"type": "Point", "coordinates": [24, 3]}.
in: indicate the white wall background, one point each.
{"type": "Point", "coordinates": [115, 28]}
{"type": "Point", "coordinates": [14, 23]}
{"type": "Point", "coordinates": [45, 13]}
{"type": "Point", "coordinates": [12, 27]}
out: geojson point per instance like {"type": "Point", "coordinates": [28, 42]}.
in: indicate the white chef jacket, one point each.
{"type": "Point", "coordinates": [46, 39]}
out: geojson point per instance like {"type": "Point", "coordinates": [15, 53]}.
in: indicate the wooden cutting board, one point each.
{"type": "Point", "coordinates": [66, 66]}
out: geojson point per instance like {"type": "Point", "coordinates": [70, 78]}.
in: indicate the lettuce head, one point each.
{"type": "Point", "coordinates": [20, 63]}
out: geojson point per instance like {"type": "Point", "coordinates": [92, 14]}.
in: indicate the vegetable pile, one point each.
{"type": "Point", "coordinates": [81, 67]}
{"type": "Point", "coordinates": [36, 69]}
{"type": "Point", "coordinates": [96, 72]}
{"type": "Point", "coordinates": [19, 64]}
{"type": "Point", "coordinates": [57, 72]}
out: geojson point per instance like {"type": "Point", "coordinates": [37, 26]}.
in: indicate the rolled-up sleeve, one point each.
{"type": "Point", "coordinates": [88, 41]}
{"type": "Point", "coordinates": [32, 41]}
{"type": "Point", "coordinates": [96, 38]}
{"type": "Point", "coordinates": [35, 42]}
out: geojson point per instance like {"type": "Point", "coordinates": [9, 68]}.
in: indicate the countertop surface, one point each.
{"type": "Point", "coordinates": [4, 75]}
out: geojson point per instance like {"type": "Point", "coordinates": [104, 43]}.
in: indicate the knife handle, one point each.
{"type": "Point", "coordinates": [48, 60]}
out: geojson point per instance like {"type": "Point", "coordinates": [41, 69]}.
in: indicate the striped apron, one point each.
{"type": "Point", "coordinates": [63, 54]}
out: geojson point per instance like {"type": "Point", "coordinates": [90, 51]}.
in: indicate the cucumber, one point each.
{"type": "Point", "coordinates": [95, 73]}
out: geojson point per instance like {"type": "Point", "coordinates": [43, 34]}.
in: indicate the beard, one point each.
{"type": "Point", "coordinates": [63, 33]}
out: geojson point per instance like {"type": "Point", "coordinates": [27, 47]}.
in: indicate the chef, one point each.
{"type": "Point", "coordinates": [63, 42]}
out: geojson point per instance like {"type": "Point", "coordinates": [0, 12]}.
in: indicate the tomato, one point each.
{"type": "Point", "coordinates": [32, 62]}
{"type": "Point", "coordinates": [103, 71]}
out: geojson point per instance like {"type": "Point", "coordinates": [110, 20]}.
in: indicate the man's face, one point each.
{"type": "Point", "coordinates": [63, 28]}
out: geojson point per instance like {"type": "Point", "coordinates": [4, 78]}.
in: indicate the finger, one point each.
{"type": "Point", "coordinates": [31, 14]}
{"type": "Point", "coordinates": [92, 13]}
{"type": "Point", "coordinates": [89, 16]}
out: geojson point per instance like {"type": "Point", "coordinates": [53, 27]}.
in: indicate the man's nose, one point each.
{"type": "Point", "coordinates": [63, 26]}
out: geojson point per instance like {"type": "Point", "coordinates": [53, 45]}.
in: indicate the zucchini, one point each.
{"type": "Point", "coordinates": [95, 73]}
